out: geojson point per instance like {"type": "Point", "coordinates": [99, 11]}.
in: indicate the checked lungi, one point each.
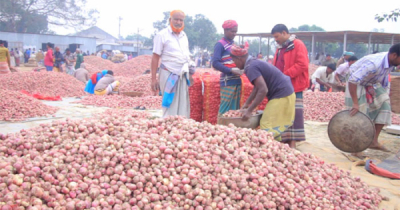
{"type": "Point", "coordinates": [296, 132]}
{"type": "Point", "coordinates": [379, 111]}
{"type": "Point", "coordinates": [230, 98]}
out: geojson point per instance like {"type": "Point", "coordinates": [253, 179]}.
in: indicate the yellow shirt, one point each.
{"type": "Point", "coordinates": [4, 54]}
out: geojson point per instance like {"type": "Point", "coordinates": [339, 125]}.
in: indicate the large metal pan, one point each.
{"type": "Point", "coordinates": [252, 123]}
{"type": "Point", "coordinates": [351, 133]}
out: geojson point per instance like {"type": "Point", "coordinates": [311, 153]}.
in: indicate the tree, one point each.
{"type": "Point", "coordinates": [200, 31]}
{"type": "Point", "coordinates": [393, 15]}
{"type": "Point", "coordinates": [319, 46]}
{"type": "Point", "coordinates": [306, 27]}
{"type": "Point", "coordinates": [35, 16]}
{"type": "Point", "coordinates": [254, 47]}
{"type": "Point", "coordinates": [204, 31]}
{"type": "Point", "coordinates": [161, 24]}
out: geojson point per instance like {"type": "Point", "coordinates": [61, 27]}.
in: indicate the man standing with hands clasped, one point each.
{"type": "Point", "coordinates": [291, 58]}
{"type": "Point", "coordinates": [231, 84]}
{"type": "Point", "coordinates": [172, 46]}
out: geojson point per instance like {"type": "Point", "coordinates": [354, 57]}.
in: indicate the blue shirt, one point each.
{"type": "Point", "coordinates": [278, 84]}
{"type": "Point", "coordinates": [104, 56]}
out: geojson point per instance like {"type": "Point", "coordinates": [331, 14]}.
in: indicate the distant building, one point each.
{"type": "Point", "coordinates": [101, 36]}
{"type": "Point", "coordinates": [23, 41]}
{"type": "Point", "coordinates": [106, 41]}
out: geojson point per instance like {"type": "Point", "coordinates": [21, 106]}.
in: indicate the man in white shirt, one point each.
{"type": "Point", "coordinates": [323, 76]}
{"type": "Point", "coordinates": [343, 69]}
{"type": "Point", "coordinates": [172, 46]}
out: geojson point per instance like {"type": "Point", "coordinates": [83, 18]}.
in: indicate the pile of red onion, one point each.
{"type": "Point", "coordinates": [235, 113]}
{"type": "Point", "coordinates": [312, 68]}
{"type": "Point", "coordinates": [134, 67]}
{"type": "Point", "coordinates": [322, 106]}
{"type": "Point", "coordinates": [140, 83]}
{"type": "Point", "coordinates": [44, 83]}
{"type": "Point", "coordinates": [122, 160]}
{"type": "Point", "coordinates": [16, 106]}
{"type": "Point", "coordinates": [96, 64]}
{"type": "Point", "coordinates": [121, 101]}
{"type": "Point", "coordinates": [131, 68]}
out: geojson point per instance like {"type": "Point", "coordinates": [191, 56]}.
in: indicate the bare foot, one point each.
{"type": "Point", "coordinates": [359, 155]}
{"type": "Point", "coordinates": [292, 144]}
{"type": "Point", "coordinates": [379, 147]}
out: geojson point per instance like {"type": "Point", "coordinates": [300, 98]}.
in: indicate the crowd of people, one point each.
{"type": "Point", "coordinates": [55, 60]}
{"type": "Point", "coordinates": [282, 78]}
{"type": "Point", "coordinates": [108, 55]}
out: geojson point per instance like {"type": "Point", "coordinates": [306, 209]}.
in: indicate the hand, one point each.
{"type": "Point", "coordinates": [354, 109]}
{"type": "Point", "coordinates": [246, 116]}
{"type": "Point", "coordinates": [155, 85]}
{"type": "Point", "coordinates": [328, 86]}
{"type": "Point", "coordinates": [237, 71]}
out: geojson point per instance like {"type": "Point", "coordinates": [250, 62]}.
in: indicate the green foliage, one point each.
{"type": "Point", "coordinates": [393, 15]}
{"type": "Point", "coordinates": [200, 31]}
{"type": "Point", "coordinates": [306, 27]}
{"type": "Point", "coordinates": [204, 31]}
{"type": "Point", "coordinates": [161, 24]}
{"type": "Point", "coordinates": [34, 16]}
{"type": "Point", "coordinates": [254, 47]}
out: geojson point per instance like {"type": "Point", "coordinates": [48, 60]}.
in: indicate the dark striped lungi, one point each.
{"type": "Point", "coordinates": [296, 132]}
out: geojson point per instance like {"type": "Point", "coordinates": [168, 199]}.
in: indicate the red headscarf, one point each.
{"type": "Point", "coordinates": [229, 24]}
{"type": "Point", "coordinates": [240, 50]}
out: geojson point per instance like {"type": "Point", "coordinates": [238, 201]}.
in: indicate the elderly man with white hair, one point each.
{"type": "Point", "coordinates": [82, 74]}
{"type": "Point", "coordinates": [171, 45]}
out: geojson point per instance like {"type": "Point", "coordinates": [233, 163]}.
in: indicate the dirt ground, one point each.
{"type": "Point", "coordinates": [317, 143]}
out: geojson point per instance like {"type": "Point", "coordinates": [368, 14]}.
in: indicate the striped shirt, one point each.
{"type": "Point", "coordinates": [370, 70]}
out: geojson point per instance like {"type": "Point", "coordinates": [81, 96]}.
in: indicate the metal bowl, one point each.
{"type": "Point", "coordinates": [132, 94]}
{"type": "Point", "coordinates": [351, 134]}
{"type": "Point", "coordinates": [253, 122]}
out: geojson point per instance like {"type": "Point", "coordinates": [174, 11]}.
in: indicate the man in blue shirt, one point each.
{"type": "Point", "coordinates": [104, 55]}
{"type": "Point", "coordinates": [231, 84]}
{"type": "Point", "coordinates": [270, 82]}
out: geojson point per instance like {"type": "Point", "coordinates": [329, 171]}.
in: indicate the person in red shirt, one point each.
{"type": "Point", "coordinates": [49, 59]}
{"type": "Point", "coordinates": [291, 57]}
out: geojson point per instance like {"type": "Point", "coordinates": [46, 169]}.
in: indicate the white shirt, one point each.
{"type": "Point", "coordinates": [321, 74]}
{"type": "Point", "coordinates": [173, 49]}
{"type": "Point", "coordinates": [343, 69]}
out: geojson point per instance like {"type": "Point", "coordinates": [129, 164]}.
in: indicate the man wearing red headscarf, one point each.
{"type": "Point", "coordinates": [231, 84]}
{"type": "Point", "coordinates": [172, 47]}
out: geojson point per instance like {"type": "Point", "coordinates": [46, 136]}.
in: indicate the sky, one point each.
{"type": "Point", "coordinates": [253, 16]}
